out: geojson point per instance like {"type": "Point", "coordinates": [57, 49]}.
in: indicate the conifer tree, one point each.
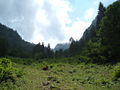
{"type": "Point", "coordinates": [110, 31]}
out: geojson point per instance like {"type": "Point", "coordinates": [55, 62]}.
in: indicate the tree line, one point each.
{"type": "Point", "coordinates": [100, 42]}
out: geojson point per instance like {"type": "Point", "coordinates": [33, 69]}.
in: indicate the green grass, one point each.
{"type": "Point", "coordinates": [62, 74]}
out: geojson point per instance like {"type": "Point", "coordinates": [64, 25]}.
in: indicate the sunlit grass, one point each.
{"type": "Point", "coordinates": [62, 74]}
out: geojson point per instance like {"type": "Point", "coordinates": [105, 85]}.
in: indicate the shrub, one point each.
{"type": "Point", "coordinates": [8, 71]}
{"type": "Point", "coordinates": [116, 73]}
{"type": "Point", "coordinates": [84, 59]}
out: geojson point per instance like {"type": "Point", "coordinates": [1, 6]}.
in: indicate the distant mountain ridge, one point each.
{"type": "Point", "coordinates": [62, 46]}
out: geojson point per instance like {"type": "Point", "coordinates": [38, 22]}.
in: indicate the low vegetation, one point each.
{"type": "Point", "coordinates": [8, 71]}
{"type": "Point", "coordinates": [62, 74]}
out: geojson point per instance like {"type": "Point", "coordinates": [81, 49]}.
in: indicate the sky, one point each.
{"type": "Point", "coordinates": [49, 21]}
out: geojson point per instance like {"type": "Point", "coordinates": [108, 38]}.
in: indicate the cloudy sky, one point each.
{"type": "Point", "coordinates": [49, 21]}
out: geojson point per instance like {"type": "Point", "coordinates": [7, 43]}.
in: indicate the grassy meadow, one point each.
{"type": "Point", "coordinates": [62, 74]}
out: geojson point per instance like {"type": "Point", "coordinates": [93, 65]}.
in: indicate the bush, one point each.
{"type": "Point", "coordinates": [8, 71]}
{"type": "Point", "coordinates": [116, 73]}
{"type": "Point", "coordinates": [84, 59]}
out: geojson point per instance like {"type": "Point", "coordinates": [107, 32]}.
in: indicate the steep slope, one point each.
{"type": "Point", "coordinates": [90, 32]}
{"type": "Point", "coordinates": [77, 46]}
{"type": "Point", "coordinates": [13, 44]}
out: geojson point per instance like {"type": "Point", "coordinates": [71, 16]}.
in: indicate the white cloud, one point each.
{"type": "Point", "coordinates": [52, 23]}
{"type": "Point", "coordinates": [51, 20]}
{"type": "Point", "coordinates": [45, 21]}
{"type": "Point", "coordinates": [41, 18]}
{"type": "Point", "coordinates": [77, 29]}
{"type": "Point", "coordinates": [96, 2]}
{"type": "Point", "coordinates": [89, 13]}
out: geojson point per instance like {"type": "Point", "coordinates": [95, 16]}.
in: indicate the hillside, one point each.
{"type": "Point", "coordinates": [13, 43]}
{"type": "Point", "coordinates": [100, 42]}
{"type": "Point", "coordinates": [90, 33]}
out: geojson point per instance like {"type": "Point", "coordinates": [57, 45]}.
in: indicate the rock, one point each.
{"type": "Point", "coordinates": [45, 83]}
{"type": "Point", "coordinates": [45, 68]}
{"type": "Point", "coordinates": [50, 78]}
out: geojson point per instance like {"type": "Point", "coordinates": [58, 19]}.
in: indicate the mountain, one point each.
{"type": "Point", "coordinates": [77, 46]}
{"type": "Point", "coordinates": [90, 32]}
{"type": "Point", "coordinates": [62, 46]}
{"type": "Point", "coordinates": [12, 44]}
